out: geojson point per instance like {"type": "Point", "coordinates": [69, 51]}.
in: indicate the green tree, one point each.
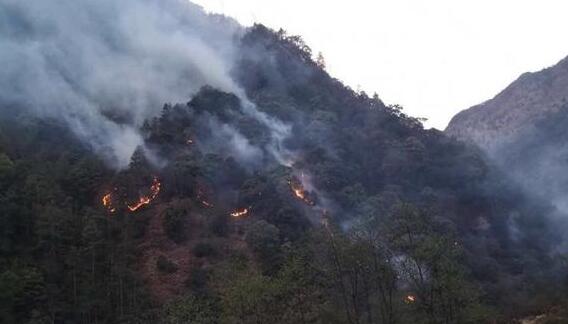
{"type": "Point", "coordinates": [430, 261]}
{"type": "Point", "coordinates": [264, 240]}
{"type": "Point", "coordinates": [174, 224]}
{"type": "Point", "coordinates": [191, 309]}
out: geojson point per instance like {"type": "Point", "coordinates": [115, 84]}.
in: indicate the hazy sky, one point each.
{"type": "Point", "coordinates": [434, 57]}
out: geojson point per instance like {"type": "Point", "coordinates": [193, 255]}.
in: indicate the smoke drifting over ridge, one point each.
{"type": "Point", "coordinates": [105, 66]}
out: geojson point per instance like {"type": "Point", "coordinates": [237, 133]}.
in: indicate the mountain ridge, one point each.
{"type": "Point", "coordinates": [499, 120]}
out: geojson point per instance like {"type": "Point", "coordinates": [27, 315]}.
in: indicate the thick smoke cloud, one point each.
{"type": "Point", "coordinates": [226, 139]}
{"type": "Point", "coordinates": [105, 66]}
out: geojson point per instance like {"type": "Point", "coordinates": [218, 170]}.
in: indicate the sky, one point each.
{"type": "Point", "coordinates": [435, 57]}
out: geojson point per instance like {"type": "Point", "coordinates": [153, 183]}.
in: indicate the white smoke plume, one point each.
{"type": "Point", "coordinates": [226, 139]}
{"type": "Point", "coordinates": [104, 66]}
{"type": "Point", "coordinates": [279, 132]}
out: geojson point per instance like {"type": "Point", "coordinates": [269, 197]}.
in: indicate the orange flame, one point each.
{"type": "Point", "coordinates": [300, 192]}
{"type": "Point", "coordinates": [107, 202]}
{"type": "Point", "coordinates": [240, 212]}
{"type": "Point", "coordinates": [410, 299]}
{"type": "Point", "coordinates": [145, 200]}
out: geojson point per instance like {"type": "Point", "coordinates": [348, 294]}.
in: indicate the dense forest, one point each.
{"type": "Point", "coordinates": [308, 202]}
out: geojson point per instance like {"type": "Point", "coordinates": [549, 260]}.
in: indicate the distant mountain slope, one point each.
{"type": "Point", "coordinates": [517, 108]}
{"type": "Point", "coordinates": [524, 131]}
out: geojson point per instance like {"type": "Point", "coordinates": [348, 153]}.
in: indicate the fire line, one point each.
{"type": "Point", "coordinates": [145, 200]}
{"type": "Point", "coordinates": [240, 212]}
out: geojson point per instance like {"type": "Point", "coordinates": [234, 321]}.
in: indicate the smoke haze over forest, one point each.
{"type": "Point", "coordinates": [106, 66]}
{"type": "Point", "coordinates": [161, 164]}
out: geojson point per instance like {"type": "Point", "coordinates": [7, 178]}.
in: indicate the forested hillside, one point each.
{"type": "Point", "coordinates": [523, 131]}
{"type": "Point", "coordinates": [296, 201]}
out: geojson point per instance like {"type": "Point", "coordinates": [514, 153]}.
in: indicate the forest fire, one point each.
{"type": "Point", "coordinates": [300, 192]}
{"type": "Point", "coordinates": [206, 204]}
{"type": "Point", "coordinates": [409, 299]}
{"type": "Point", "coordinates": [107, 202]}
{"type": "Point", "coordinates": [240, 212]}
{"type": "Point", "coordinates": [145, 200]}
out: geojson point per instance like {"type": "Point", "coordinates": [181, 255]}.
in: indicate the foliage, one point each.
{"type": "Point", "coordinates": [190, 309]}
{"type": "Point", "coordinates": [263, 238]}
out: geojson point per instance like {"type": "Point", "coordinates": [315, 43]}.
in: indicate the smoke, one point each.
{"type": "Point", "coordinates": [105, 66]}
{"type": "Point", "coordinates": [279, 132]}
{"type": "Point", "coordinates": [226, 139]}
{"type": "Point", "coordinates": [536, 160]}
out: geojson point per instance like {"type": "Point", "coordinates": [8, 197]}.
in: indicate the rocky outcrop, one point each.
{"type": "Point", "coordinates": [514, 110]}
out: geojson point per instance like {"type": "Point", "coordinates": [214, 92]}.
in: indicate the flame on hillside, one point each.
{"type": "Point", "coordinates": [300, 193]}
{"type": "Point", "coordinates": [107, 202]}
{"type": "Point", "coordinates": [240, 212]}
{"type": "Point", "coordinates": [145, 200]}
{"type": "Point", "coordinates": [409, 299]}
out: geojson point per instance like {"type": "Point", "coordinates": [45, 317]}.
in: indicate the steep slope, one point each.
{"type": "Point", "coordinates": [523, 130]}
{"type": "Point", "coordinates": [517, 108]}
{"type": "Point", "coordinates": [285, 198]}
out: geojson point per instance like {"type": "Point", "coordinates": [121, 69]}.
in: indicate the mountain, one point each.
{"type": "Point", "coordinates": [523, 131]}
{"type": "Point", "coordinates": [503, 119]}
{"type": "Point", "coordinates": [270, 193]}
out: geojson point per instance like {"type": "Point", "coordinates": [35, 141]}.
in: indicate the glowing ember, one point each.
{"type": "Point", "coordinates": [240, 212]}
{"type": "Point", "coordinates": [300, 192]}
{"type": "Point", "coordinates": [203, 198]}
{"type": "Point", "coordinates": [145, 200]}
{"type": "Point", "coordinates": [107, 202]}
{"type": "Point", "coordinates": [410, 299]}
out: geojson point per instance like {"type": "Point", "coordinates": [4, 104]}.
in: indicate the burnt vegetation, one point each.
{"type": "Point", "coordinates": [409, 226]}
